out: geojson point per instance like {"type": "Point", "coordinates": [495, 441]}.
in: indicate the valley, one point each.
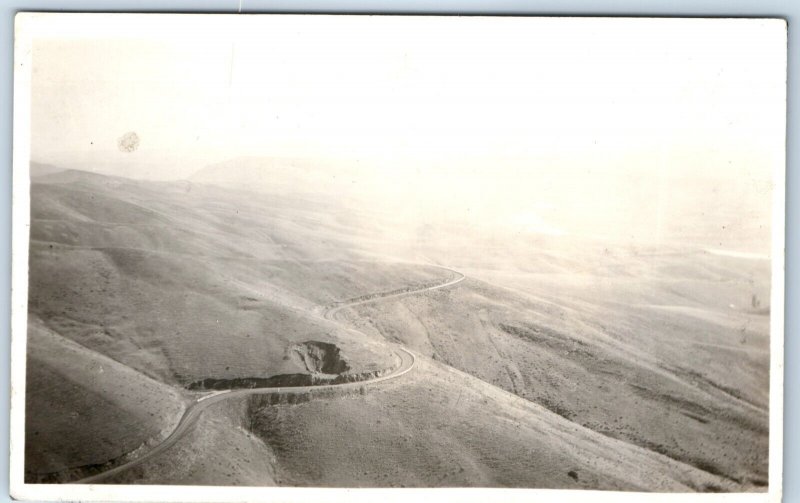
{"type": "Point", "coordinates": [189, 333]}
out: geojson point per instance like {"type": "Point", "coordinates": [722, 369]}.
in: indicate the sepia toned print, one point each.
{"type": "Point", "coordinates": [392, 252]}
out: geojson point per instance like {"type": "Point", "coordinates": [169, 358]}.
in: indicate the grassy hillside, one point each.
{"type": "Point", "coordinates": [437, 428]}
{"type": "Point", "coordinates": [219, 450]}
{"type": "Point", "coordinates": [559, 362]}
{"type": "Point", "coordinates": [656, 357]}
{"type": "Point", "coordinates": [187, 288]}
{"type": "Point", "coordinates": [85, 411]}
{"type": "Point", "coordinates": [171, 290]}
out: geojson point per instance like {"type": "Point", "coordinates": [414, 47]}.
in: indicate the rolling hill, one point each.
{"type": "Point", "coordinates": [560, 362]}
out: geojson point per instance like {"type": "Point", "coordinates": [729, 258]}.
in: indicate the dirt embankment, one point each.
{"type": "Point", "coordinates": [322, 358]}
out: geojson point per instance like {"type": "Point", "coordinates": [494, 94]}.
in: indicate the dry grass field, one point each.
{"type": "Point", "coordinates": [559, 362]}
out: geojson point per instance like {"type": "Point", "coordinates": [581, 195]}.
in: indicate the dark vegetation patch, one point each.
{"type": "Point", "coordinates": [323, 361]}
{"type": "Point", "coordinates": [248, 303]}
{"type": "Point", "coordinates": [696, 417]}
{"type": "Point", "coordinates": [702, 381]}
{"type": "Point", "coordinates": [659, 448]}
{"type": "Point", "coordinates": [556, 408]}
{"type": "Point", "coordinates": [711, 488]}
{"type": "Point", "coordinates": [708, 466]}
{"type": "Point", "coordinates": [701, 464]}
{"type": "Point", "coordinates": [699, 379]}
{"type": "Point", "coordinates": [683, 405]}
{"type": "Point", "coordinates": [282, 380]}
{"type": "Point", "coordinates": [547, 337]}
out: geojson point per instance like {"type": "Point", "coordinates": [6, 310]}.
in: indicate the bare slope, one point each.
{"type": "Point", "coordinates": [85, 411]}
{"type": "Point", "coordinates": [217, 450]}
{"type": "Point", "coordinates": [434, 427]}
{"type": "Point", "coordinates": [175, 319]}
{"type": "Point", "coordinates": [632, 370]}
{"type": "Point", "coordinates": [687, 377]}
{"type": "Point", "coordinates": [180, 286]}
{"type": "Point", "coordinates": [195, 285]}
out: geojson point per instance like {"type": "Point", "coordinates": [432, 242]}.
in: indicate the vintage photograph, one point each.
{"type": "Point", "coordinates": [329, 251]}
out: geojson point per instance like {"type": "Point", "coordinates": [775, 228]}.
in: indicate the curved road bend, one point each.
{"type": "Point", "coordinates": [333, 310]}
{"type": "Point", "coordinates": [192, 413]}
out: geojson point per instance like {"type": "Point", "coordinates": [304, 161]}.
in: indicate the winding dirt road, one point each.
{"type": "Point", "coordinates": [328, 314]}
{"type": "Point", "coordinates": [193, 412]}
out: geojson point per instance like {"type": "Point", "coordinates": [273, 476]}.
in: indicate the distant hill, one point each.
{"type": "Point", "coordinates": [40, 169]}
{"type": "Point", "coordinates": [279, 174]}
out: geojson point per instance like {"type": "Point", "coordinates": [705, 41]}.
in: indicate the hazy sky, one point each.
{"type": "Point", "coordinates": [502, 109]}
